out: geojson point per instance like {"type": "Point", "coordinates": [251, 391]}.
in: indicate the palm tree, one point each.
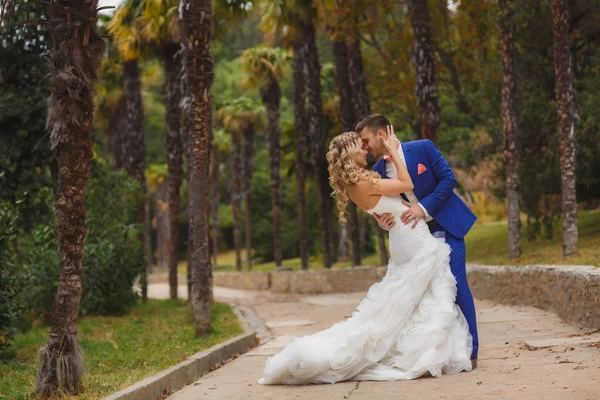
{"type": "Point", "coordinates": [299, 17]}
{"type": "Point", "coordinates": [74, 60]}
{"type": "Point", "coordinates": [301, 127]}
{"type": "Point", "coordinates": [243, 118]}
{"type": "Point", "coordinates": [348, 120]}
{"type": "Point", "coordinates": [565, 110]}
{"type": "Point", "coordinates": [220, 145]}
{"type": "Point", "coordinates": [510, 127]}
{"type": "Point", "coordinates": [265, 67]}
{"type": "Point", "coordinates": [354, 104]}
{"type": "Point", "coordinates": [160, 29]}
{"type": "Point", "coordinates": [426, 91]}
{"type": "Point", "coordinates": [196, 19]}
{"type": "Point", "coordinates": [125, 30]}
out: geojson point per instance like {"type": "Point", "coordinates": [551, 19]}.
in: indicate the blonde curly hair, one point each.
{"type": "Point", "coordinates": [343, 170]}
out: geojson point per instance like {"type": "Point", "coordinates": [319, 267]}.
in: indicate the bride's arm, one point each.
{"type": "Point", "coordinates": [403, 183]}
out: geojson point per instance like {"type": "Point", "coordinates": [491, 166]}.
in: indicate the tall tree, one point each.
{"type": "Point", "coordinates": [197, 20]}
{"type": "Point", "coordinates": [282, 18]}
{"type": "Point", "coordinates": [509, 122]}
{"type": "Point", "coordinates": [301, 129]}
{"type": "Point", "coordinates": [348, 120]}
{"type": "Point", "coordinates": [426, 91]}
{"type": "Point", "coordinates": [316, 132]}
{"type": "Point", "coordinates": [265, 68]}
{"type": "Point", "coordinates": [74, 60]}
{"type": "Point", "coordinates": [220, 143]}
{"type": "Point", "coordinates": [565, 109]}
{"type": "Point", "coordinates": [129, 42]}
{"type": "Point", "coordinates": [160, 29]}
{"type": "Point", "coordinates": [243, 118]}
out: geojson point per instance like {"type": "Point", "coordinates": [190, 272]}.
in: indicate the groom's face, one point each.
{"type": "Point", "coordinates": [373, 141]}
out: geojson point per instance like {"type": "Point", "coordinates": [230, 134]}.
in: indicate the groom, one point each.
{"type": "Point", "coordinates": [433, 199]}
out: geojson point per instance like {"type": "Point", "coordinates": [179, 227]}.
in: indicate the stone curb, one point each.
{"type": "Point", "coordinates": [173, 378]}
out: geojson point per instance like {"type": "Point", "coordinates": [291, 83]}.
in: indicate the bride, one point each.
{"type": "Point", "coordinates": [408, 325]}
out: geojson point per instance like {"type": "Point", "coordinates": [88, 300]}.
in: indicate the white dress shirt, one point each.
{"type": "Point", "coordinates": [390, 170]}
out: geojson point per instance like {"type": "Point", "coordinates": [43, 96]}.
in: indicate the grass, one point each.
{"type": "Point", "coordinates": [486, 244]}
{"type": "Point", "coordinates": [120, 351]}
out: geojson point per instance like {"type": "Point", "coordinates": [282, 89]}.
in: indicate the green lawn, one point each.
{"type": "Point", "coordinates": [486, 244]}
{"type": "Point", "coordinates": [120, 351]}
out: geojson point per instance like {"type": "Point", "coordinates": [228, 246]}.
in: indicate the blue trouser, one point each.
{"type": "Point", "coordinates": [458, 266]}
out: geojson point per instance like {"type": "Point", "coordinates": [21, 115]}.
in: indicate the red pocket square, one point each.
{"type": "Point", "coordinates": [421, 169]}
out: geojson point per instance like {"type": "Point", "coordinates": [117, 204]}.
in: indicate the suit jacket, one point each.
{"type": "Point", "coordinates": [434, 187]}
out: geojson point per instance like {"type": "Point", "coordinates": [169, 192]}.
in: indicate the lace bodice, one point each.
{"type": "Point", "coordinates": [405, 243]}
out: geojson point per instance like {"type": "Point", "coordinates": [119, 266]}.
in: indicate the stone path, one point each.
{"type": "Point", "coordinates": [526, 353]}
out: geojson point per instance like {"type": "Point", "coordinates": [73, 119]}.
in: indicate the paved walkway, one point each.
{"type": "Point", "coordinates": [525, 353]}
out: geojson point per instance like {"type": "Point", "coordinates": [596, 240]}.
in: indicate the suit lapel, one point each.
{"type": "Point", "coordinates": [411, 166]}
{"type": "Point", "coordinates": [379, 167]}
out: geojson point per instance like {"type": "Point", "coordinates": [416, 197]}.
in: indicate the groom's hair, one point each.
{"type": "Point", "coordinates": [373, 122]}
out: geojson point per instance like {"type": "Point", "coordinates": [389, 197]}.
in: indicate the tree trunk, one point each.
{"type": "Point", "coordinates": [565, 108]}
{"type": "Point", "coordinates": [186, 138]}
{"type": "Point", "coordinates": [314, 113]}
{"type": "Point", "coordinates": [197, 23]}
{"type": "Point", "coordinates": [75, 57]}
{"type": "Point", "coordinates": [362, 108]}
{"type": "Point", "coordinates": [249, 135]}
{"type": "Point", "coordinates": [271, 97]}
{"type": "Point", "coordinates": [174, 148]}
{"type": "Point", "coordinates": [162, 225]}
{"type": "Point", "coordinates": [426, 92]}
{"type": "Point", "coordinates": [117, 127]}
{"type": "Point", "coordinates": [301, 127]}
{"type": "Point", "coordinates": [236, 196]}
{"type": "Point", "coordinates": [509, 122]}
{"type": "Point", "coordinates": [215, 197]}
{"type": "Point", "coordinates": [135, 156]}
{"type": "Point", "coordinates": [348, 121]}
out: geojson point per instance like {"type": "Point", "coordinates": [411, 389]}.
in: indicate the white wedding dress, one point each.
{"type": "Point", "coordinates": [407, 326]}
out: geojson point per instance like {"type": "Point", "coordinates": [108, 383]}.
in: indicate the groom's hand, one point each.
{"type": "Point", "coordinates": [386, 220]}
{"type": "Point", "coordinates": [414, 213]}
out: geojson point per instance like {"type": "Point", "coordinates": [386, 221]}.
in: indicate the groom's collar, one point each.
{"type": "Point", "coordinates": [388, 158]}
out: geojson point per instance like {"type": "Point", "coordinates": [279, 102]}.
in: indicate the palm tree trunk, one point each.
{"type": "Point", "coordinates": [271, 98]}
{"type": "Point", "coordinates": [117, 127]}
{"type": "Point", "coordinates": [186, 139]}
{"type": "Point", "coordinates": [510, 127]}
{"type": "Point", "coordinates": [236, 196]}
{"type": "Point", "coordinates": [174, 148]}
{"type": "Point", "coordinates": [197, 23]}
{"type": "Point", "coordinates": [215, 196]}
{"type": "Point", "coordinates": [426, 91]}
{"type": "Point", "coordinates": [565, 108]}
{"type": "Point", "coordinates": [76, 53]}
{"type": "Point", "coordinates": [314, 113]}
{"type": "Point", "coordinates": [249, 135]}
{"type": "Point", "coordinates": [348, 120]}
{"type": "Point", "coordinates": [301, 127]}
{"type": "Point", "coordinates": [135, 156]}
{"type": "Point", "coordinates": [162, 225]}
{"type": "Point", "coordinates": [362, 108]}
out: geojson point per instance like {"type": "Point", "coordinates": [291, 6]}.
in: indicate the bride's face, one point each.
{"type": "Point", "coordinates": [361, 155]}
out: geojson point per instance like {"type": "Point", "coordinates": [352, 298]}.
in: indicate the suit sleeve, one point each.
{"type": "Point", "coordinates": [446, 182]}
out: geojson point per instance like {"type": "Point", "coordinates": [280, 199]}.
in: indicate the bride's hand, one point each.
{"type": "Point", "coordinates": [391, 143]}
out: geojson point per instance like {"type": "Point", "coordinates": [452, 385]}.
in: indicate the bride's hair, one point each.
{"type": "Point", "coordinates": [343, 170]}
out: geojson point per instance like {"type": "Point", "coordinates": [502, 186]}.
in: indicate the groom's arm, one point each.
{"type": "Point", "coordinates": [446, 182]}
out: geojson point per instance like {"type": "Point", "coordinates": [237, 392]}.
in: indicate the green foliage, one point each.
{"type": "Point", "coordinates": [113, 256]}
{"type": "Point", "coordinates": [24, 153]}
{"type": "Point", "coordinates": [11, 281]}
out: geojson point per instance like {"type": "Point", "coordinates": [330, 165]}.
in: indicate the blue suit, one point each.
{"type": "Point", "coordinates": [452, 217]}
